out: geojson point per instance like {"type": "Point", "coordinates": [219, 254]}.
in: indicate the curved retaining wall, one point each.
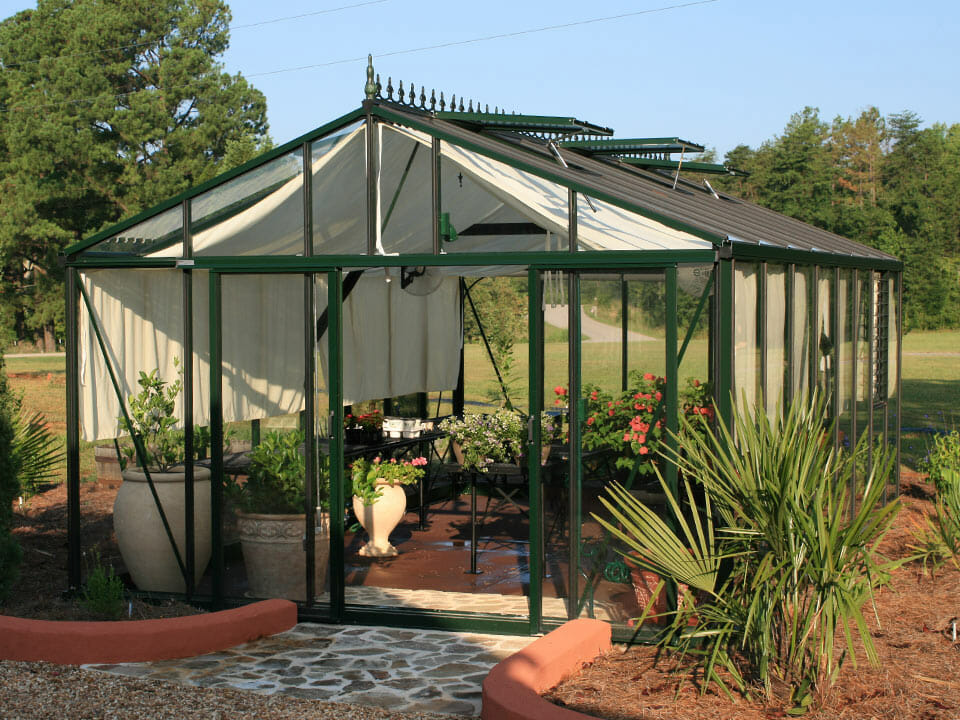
{"type": "Point", "coordinates": [512, 689]}
{"type": "Point", "coordinates": [77, 643]}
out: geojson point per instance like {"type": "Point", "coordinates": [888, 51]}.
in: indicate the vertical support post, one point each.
{"type": "Point", "coordinates": [458, 392]}
{"type": "Point", "coordinates": [311, 498]}
{"type": "Point", "coordinates": [216, 433]}
{"type": "Point", "coordinates": [854, 345]}
{"type": "Point", "coordinates": [576, 467]}
{"type": "Point", "coordinates": [898, 279]}
{"type": "Point", "coordinates": [335, 383]}
{"type": "Point", "coordinates": [673, 380]}
{"type": "Point", "coordinates": [724, 313]}
{"type": "Point", "coordinates": [871, 369]}
{"type": "Point", "coordinates": [74, 569]}
{"type": "Point", "coordinates": [421, 405]}
{"type": "Point", "coordinates": [573, 395]}
{"type": "Point", "coordinates": [435, 194]}
{"type": "Point", "coordinates": [790, 288]}
{"type": "Point", "coordinates": [624, 331]}
{"type": "Point", "coordinates": [372, 184]}
{"type": "Point", "coordinates": [188, 449]}
{"type": "Point", "coordinates": [834, 360]}
{"type": "Point", "coordinates": [535, 440]}
{"type": "Point", "coordinates": [762, 326]}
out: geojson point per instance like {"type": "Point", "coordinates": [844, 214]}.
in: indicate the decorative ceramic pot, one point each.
{"type": "Point", "coordinates": [380, 518]}
{"type": "Point", "coordinates": [274, 555]}
{"type": "Point", "coordinates": [143, 542]}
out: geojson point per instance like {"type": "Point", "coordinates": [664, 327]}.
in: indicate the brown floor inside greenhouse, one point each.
{"type": "Point", "coordinates": [434, 562]}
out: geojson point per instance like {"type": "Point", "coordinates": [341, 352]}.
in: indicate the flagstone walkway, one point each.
{"type": "Point", "coordinates": [403, 670]}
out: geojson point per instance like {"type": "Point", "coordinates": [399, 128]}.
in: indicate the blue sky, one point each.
{"type": "Point", "coordinates": [720, 73]}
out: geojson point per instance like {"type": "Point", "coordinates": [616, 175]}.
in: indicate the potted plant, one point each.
{"type": "Point", "coordinates": [365, 429]}
{"type": "Point", "coordinates": [479, 440]}
{"type": "Point", "coordinates": [379, 500]}
{"type": "Point", "coordinates": [272, 523]}
{"type": "Point", "coordinates": [143, 542]}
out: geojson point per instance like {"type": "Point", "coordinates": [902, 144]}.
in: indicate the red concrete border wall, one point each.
{"type": "Point", "coordinates": [512, 689]}
{"type": "Point", "coordinates": [76, 643]}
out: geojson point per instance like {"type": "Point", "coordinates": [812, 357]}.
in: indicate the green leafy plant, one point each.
{"type": "Point", "coordinates": [485, 439]}
{"type": "Point", "coordinates": [366, 475]}
{"type": "Point", "coordinates": [103, 593]}
{"type": "Point", "coordinates": [36, 451]}
{"type": "Point", "coordinates": [631, 423]}
{"type": "Point", "coordinates": [943, 461]}
{"type": "Point", "coordinates": [777, 562]}
{"type": "Point", "coordinates": [152, 420]}
{"type": "Point", "coordinates": [552, 428]}
{"type": "Point", "coordinates": [275, 485]}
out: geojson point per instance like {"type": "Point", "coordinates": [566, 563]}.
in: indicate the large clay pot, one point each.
{"type": "Point", "coordinates": [274, 555]}
{"type": "Point", "coordinates": [142, 540]}
{"type": "Point", "coordinates": [380, 518]}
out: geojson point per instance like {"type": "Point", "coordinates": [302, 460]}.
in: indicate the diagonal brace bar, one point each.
{"type": "Point", "coordinates": [137, 440]}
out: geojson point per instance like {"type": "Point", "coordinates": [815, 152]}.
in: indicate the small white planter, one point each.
{"type": "Point", "coordinates": [380, 519]}
{"type": "Point", "coordinates": [141, 538]}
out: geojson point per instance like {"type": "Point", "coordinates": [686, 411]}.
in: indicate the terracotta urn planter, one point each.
{"type": "Point", "coordinates": [141, 538]}
{"type": "Point", "coordinates": [380, 518]}
{"type": "Point", "coordinates": [274, 555]}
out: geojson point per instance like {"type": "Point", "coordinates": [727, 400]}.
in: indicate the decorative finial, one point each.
{"type": "Point", "coordinates": [370, 89]}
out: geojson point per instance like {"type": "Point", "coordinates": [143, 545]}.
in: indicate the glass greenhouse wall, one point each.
{"type": "Point", "coordinates": [364, 271]}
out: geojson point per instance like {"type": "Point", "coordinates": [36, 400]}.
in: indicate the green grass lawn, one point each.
{"type": "Point", "coordinates": [931, 381]}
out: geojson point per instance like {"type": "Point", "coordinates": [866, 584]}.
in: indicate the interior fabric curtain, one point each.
{"type": "Point", "coordinates": [776, 322]}
{"type": "Point", "coordinates": [746, 354]}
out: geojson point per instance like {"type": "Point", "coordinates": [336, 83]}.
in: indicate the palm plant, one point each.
{"type": "Point", "coordinates": [780, 562]}
{"type": "Point", "coordinates": [35, 450]}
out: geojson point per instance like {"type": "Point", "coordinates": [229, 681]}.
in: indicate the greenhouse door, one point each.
{"type": "Point", "coordinates": [609, 353]}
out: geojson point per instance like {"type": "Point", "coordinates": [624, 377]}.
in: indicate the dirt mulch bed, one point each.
{"type": "Point", "coordinates": [40, 526]}
{"type": "Point", "coordinates": [919, 676]}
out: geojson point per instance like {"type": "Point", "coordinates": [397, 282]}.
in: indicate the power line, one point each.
{"type": "Point", "coordinates": [7, 66]}
{"type": "Point", "coordinates": [407, 51]}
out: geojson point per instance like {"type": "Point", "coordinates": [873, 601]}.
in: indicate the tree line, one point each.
{"type": "Point", "coordinates": [109, 108]}
{"type": "Point", "coordinates": [882, 181]}
{"type": "Point", "coordinates": [106, 109]}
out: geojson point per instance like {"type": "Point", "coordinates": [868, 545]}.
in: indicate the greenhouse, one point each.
{"type": "Point", "coordinates": [416, 272]}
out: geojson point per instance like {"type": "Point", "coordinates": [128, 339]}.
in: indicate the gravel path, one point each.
{"type": "Point", "coordinates": [41, 691]}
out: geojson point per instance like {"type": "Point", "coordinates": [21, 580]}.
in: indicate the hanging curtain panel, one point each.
{"type": "Point", "coordinates": [746, 318]}
{"type": "Point", "coordinates": [802, 329]}
{"type": "Point", "coordinates": [776, 336]}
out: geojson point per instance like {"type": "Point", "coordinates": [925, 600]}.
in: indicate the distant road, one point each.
{"type": "Point", "coordinates": [594, 330]}
{"type": "Point", "coordinates": [30, 355]}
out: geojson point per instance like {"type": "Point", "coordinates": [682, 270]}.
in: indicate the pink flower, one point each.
{"type": "Point", "coordinates": [626, 437]}
{"type": "Point", "coordinates": [696, 383]}
{"type": "Point", "coordinates": [659, 395]}
{"type": "Point", "coordinates": [610, 413]}
{"type": "Point", "coordinates": [644, 450]}
{"type": "Point", "coordinates": [640, 438]}
{"type": "Point", "coordinates": [591, 420]}
{"type": "Point", "coordinates": [649, 376]}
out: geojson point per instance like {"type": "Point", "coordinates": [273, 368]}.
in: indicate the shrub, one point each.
{"type": "Point", "coordinates": [776, 562]}
{"type": "Point", "coordinates": [943, 461]}
{"type": "Point", "coordinates": [10, 553]}
{"type": "Point", "coordinates": [276, 481]}
{"type": "Point", "coordinates": [103, 594]}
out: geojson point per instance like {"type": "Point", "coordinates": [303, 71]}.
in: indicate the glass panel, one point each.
{"type": "Point", "coordinates": [488, 206]}
{"type": "Point", "coordinates": [694, 372]}
{"type": "Point", "coordinates": [826, 351]}
{"type": "Point", "coordinates": [140, 316]}
{"type": "Point", "coordinates": [340, 192]}
{"type": "Point", "coordinates": [802, 315]}
{"type": "Point", "coordinates": [621, 427]}
{"type": "Point", "coordinates": [746, 333]}
{"type": "Point", "coordinates": [555, 476]}
{"type": "Point", "coordinates": [257, 213]}
{"type": "Point", "coordinates": [405, 191]}
{"type": "Point", "coordinates": [159, 236]}
{"type": "Point", "coordinates": [776, 336]}
{"type": "Point", "coordinates": [845, 348]}
{"type": "Point", "coordinates": [461, 538]}
{"type": "Point", "coordinates": [263, 336]}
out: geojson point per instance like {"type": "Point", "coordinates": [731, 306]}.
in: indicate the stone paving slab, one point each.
{"type": "Point", "coordinates": [403, 670]}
